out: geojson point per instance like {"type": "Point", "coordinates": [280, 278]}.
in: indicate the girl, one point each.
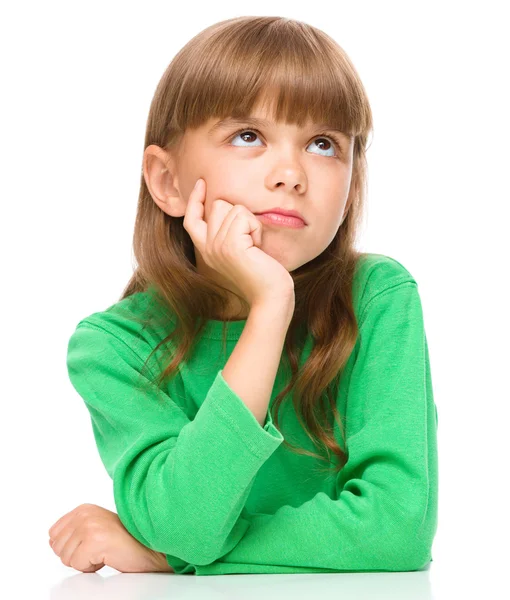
{"type": "Point", "coordinates": [276, 346]}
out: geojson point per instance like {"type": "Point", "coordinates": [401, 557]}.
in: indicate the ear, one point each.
{"type": "Point", "coordinates": [160, 174]}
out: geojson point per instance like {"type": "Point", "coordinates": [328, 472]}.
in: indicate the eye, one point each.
{"type": "Point", "coordinates": [331, 140]}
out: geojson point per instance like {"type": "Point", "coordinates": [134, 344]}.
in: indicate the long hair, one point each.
{"type": "Point", "coordinates": [224, 71]}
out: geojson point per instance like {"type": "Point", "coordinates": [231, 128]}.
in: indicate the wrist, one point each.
{"type": "Point", "coordinates": [160, 563]}
{"type": "Point", "coordinates": [281, 309]}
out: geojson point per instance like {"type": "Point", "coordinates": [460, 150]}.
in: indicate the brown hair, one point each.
{"type": "Point", "coordinates": [224, 71]}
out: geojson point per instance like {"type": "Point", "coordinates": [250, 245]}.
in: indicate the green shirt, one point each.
{"type": "Point", "coordinates": [196, 477]}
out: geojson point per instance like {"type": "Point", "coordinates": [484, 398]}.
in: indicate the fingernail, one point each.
{"type": "Point", "coordinates": [196, 184]}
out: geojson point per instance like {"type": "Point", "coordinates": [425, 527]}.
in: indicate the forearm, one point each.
{"type": "Point", "coordinates": [251, 369]}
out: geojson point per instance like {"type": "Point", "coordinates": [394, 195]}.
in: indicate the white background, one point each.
{"type": "Point", "coordinates": [77, 81]}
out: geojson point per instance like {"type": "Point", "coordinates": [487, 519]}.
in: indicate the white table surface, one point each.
{"type": "Point", "coordinates": [447, 577]}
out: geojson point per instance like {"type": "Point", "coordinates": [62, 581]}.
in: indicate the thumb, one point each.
{"type": "Point", "coordinates": [257, 235]}
{"type": "Point", "coordinates": [93, 568]}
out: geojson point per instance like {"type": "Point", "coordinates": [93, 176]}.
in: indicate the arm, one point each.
{"type": "Point", "coordinates": [163, 566]}
{"type": "Point", "coordinates": [180, 480]}
{"type": "Point", "coordinates": [251, 369]}
{"type": "Point", "coordinates": [381, 512]}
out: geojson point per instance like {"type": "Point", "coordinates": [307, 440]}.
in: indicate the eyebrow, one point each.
{"type": "Point", "coordinates": [255, 122]}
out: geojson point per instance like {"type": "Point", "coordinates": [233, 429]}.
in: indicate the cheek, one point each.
{"type": "Point", "coordinates": [229, 187]}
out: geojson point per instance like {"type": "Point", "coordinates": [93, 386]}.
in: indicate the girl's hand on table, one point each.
{"type": "Point", "coordinates": [90, 537]}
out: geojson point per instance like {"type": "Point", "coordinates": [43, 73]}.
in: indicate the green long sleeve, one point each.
{"type": "Point", "coordinates": [382, 514]}
{"type": "Point", "coordinates": [179, 484]}
{"type": "Point", "coordinates": [196, 477]}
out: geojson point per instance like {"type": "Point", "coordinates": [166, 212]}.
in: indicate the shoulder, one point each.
{"type": "Point", "coordinates": [374, 274]}
{"type": "Point", "coordinates": [137, 322]}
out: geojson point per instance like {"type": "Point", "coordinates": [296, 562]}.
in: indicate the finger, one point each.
{"type": "Point", "coordinates": [57, 527]}
{"type": "Point", "coordinates": [251, 225]}
{"type": "Point", "coordinates": [194, 216]}
{"type": "Point", "coordinates": [69, 547]}
{"type": "Point", "coordinates": [257, 234]}
{"type": "Point", "coordinates": [222, 214]}
{"type": "Point", "coordinates": [260, 233]}
{"type": "Point", "coordinates": [59, 542]}
{"type": "Point", "coordinates": [241, 230]}
{"type": "Point", "coordinates": [223, 240]}
{"type": "Point", "coordinates": [80, 559]}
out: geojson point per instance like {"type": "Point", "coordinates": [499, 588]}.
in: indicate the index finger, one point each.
{"type": "Point", "coordinates": [59, 525]}
{"type": "Point", "coordinates": [194, 216]}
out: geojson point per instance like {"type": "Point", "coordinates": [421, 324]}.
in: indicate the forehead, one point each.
{"type": "Point", "coordinates": [262, 115]}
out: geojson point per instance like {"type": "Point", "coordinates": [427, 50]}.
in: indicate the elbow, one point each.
{"type": "Point", "coordinates": [185, 540]}
{"type": "Point", "coordinates": [412, 556]}
{"type": "Point", "coordinates": [410, 549]}
{"type": "Point", "coordinates": [417, 560]}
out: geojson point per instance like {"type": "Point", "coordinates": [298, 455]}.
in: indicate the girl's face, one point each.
{"type": "Point", "coordinates": [267, 165]}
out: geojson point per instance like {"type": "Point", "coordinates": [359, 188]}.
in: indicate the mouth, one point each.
{"type": "Point", "coordinates": [284, 212]}
{"type": "Point", "coordinates": [279, 220]}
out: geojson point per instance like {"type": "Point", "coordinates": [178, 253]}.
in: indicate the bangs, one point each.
{"type": "Point", "coordinates": [286, 68]}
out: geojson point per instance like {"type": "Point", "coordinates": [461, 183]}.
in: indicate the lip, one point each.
{"type": "Point", "coordinates": [279, 220]}
{"type": "Point", "coordinates": [286, 213]}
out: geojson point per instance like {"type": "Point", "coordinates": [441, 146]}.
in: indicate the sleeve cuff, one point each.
{"type": "Point", "coordinates": [262, 441]}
